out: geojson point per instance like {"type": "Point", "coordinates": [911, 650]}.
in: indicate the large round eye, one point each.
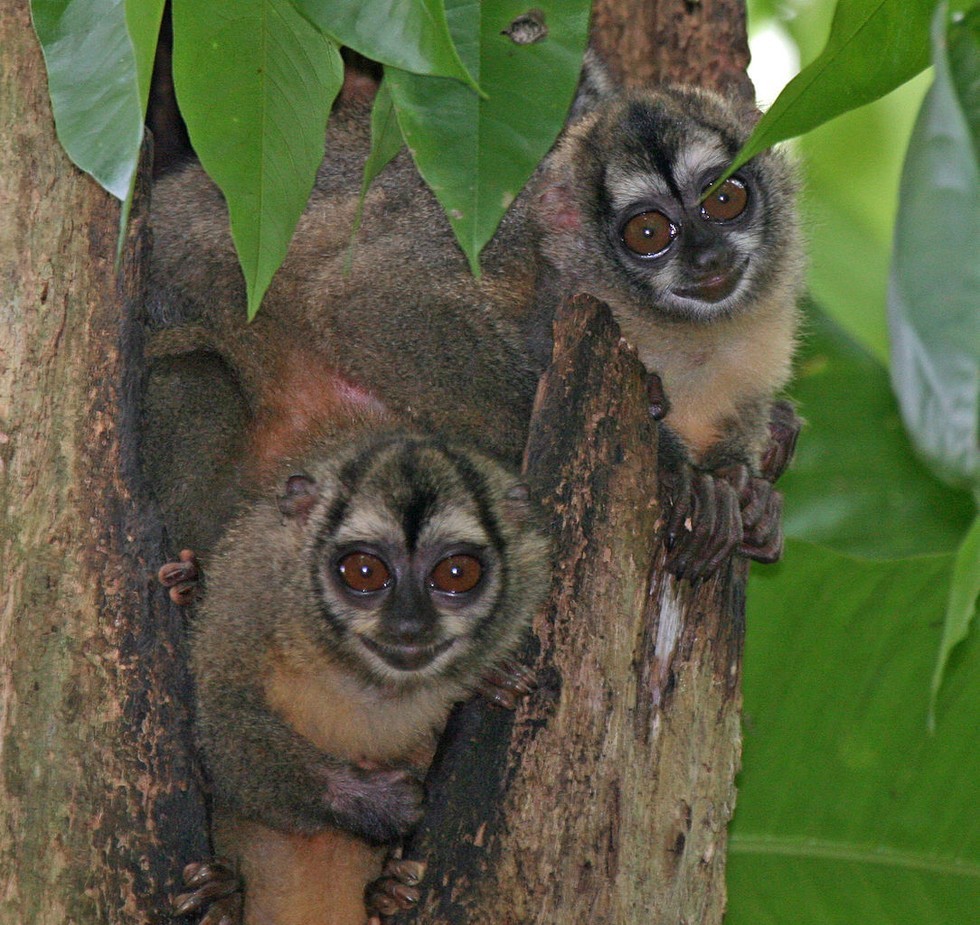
{"type": "Point", "coordinates": [649, 233]}
{"type": "Point", "coordinates": [361, 571]}
{"type": "Point", "coordinates": [456, 574]}
{"type": "Point", "coordinates": [726, 202]}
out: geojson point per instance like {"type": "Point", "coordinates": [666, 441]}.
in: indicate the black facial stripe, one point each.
{"type": "Point", "coordinates": [477, 486]}
{"type": "Point", "coordinates": [350, 477]}
{"type": "Point", "coordinates": [423, 499]}
{"type": "Point", "coordinates": [653, 131]}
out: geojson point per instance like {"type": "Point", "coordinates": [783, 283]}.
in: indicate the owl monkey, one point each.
{"type": "Point", "coordinates": [324, 342]}
{"type": "Point", "coordinates": [343, 618]}
{"type": "Point", "coordinates": [333, 362]}
{"type": "Point", "coordinates": [704, 284]}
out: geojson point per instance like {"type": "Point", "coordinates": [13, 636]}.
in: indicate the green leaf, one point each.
{"type": "Point", "coordinates": [94, 84]}
{"type": "Point", "coordinates": [964, 65]}
{"type": "Point", "coordinates": [412, 35]}
{"type": "Point", "coordinates": [849, 811]}
{"type": "Point", "coordinates": [386, 142]}
{"type": "Point", "coordinates": [474, 153]}
{"type": "Point", "coordinates": [143, 18]}
{"type": "Point", "coordinates": [255, 82]}
{"type": "Point", "coordinates": [960, 609]}
{"type": "Point", "coordinates": [935, 279]}
{"type": "Point", "coordinates": [855, 484]}
{"type": "Point", "coordinates": [893, 34]}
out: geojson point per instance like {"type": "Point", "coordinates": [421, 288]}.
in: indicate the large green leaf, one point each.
{"type": "Point", "coordinates": [855, 484]}
{"type": "Point", "coordinates": [960, 609]}
{"type": "Point", "coordinates": [935, 281]}
{"type": "Point", "coordinates": [874, 46]}
{"type": "Point", "coordinates": [98, 82]}
{"type": "Point", "coordinates": [409, 34]}
{"type": "Point", "coordinates": [475, 153]}
{"type": "Point", "coordinates": [849, 811]}
{"type": "Point", "coordinates": [255, 81]}
{"type": "Point", "coordinates": [143, 19]}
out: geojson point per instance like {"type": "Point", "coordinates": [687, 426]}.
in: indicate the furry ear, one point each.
{"type": "Point", "coordinates": [300, 496]}
{"type": "Point", "coordinates": [594, 86]}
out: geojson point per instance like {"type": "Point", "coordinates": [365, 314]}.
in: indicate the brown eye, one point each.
{"type": "Point", "coordinates": [726, 202]}
{"type": "Point", "coordinates": [649, 233]}
{"type": "Point", "coordinates": [361, 571]}
{"type": "Point", "coordinates": [456, 574]}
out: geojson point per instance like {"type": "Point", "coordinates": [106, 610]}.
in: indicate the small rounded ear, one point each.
{"type": "Point", "coordinates": [595, 86]}
{"type": "Point", "coordinates": [300, 496]}
{"type": "Point", "coordinates": [516, 505]}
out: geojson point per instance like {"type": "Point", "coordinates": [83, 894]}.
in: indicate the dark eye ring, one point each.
{"type": "Point", "coordinates": [648, 234]}
{"type": "Point", "coordinates": [364, 572]}
{"type": "Point", "coordinates": [457, 574]}
{"type": "Point", "coordinates": [727, 202]}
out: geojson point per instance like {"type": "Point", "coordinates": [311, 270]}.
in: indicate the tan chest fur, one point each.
{"type": "Point", "coordinates": [709, 370]}
{"type": "Point", "coordinates": [347, 719]}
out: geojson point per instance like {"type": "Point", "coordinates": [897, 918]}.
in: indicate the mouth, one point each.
{"type": "Point", "coordinates": [406, 657]}
{"type": "Point", "coordinates": [716, 287]}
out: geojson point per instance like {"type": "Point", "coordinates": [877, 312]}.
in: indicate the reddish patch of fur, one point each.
{"type": "Point", "coordinates": [303, 401]}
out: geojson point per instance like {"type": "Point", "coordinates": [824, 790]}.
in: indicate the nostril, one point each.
{"type": "Point", "coordinates": [408, 630]}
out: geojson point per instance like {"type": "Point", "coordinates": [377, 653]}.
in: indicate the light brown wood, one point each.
{"type": "Point", "coordinates": [686, 41]}
{"type": "Point", "coordinates": [97, 800]}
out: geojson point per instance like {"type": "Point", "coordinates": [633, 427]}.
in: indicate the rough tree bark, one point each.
{"type": "Point", "coordinates": [606, 799]}
{"type": "Point", "coordinates": [96, 787]}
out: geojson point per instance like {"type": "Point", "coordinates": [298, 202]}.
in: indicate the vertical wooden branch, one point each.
{"type": "Point", "coordinates": [659, 41]}
{"type": "Point", "coordinates": [612, 796]}
{"type": "Point", "coordinates": [607, 798]}
{"type": "Point", "coordinates": [96, 785]}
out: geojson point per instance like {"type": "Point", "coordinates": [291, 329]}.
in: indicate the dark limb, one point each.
{"type": "Point", "coordinates": [182, 577]}
{"type": "Point", "coordinates": [214, 889]}
{"type": "Point", "coordinates": [761, 510]}
{"type": "Point", "coordinates": [704, 525]}
{"type": "Point", "coordinates": [784, 429]}
{"type": "Point", "coordinates": [506, 684]}
{"type": "Point", "coordinates": [396, 890]}
{"type": "Point", "coordinates": [263, 770]}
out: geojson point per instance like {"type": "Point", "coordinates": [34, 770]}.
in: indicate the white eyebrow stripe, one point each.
{"type": "Point", "coordinates": [627, 187]}
{"type": "Point", "coordinates": [697, 159]}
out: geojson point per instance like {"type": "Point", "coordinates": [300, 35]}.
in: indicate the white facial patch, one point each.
{"type": "Point", "coordinates": [629, 187]}
{"type": "Point", "coordinates": [698, 159]}
{"type": "Point", "coordinates": [453, 525]}
{"type": "Point", "coordinates": [368, 520]}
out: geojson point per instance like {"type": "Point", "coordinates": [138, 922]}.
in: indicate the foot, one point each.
{"type": "Point", "coordinates": [761, 508]}
{"type": "Point", "coordinates": [784, 428]}
{"type": "Point", "coordinates": [704, 524]}
{"type": "Point", "coordinates": [396, 890]}
{"type": "Point", "coordinates": [182, 577]}
{"type": "Point", "coordinates": [214, 888]}
{"type": "Point", "coordinates": [506, 684]}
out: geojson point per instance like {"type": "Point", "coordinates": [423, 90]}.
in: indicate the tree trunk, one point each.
{"type": "Point", "coordinates": [97, 798]}
{"type": "Point", "coordinates": [606, 799]}
{"type": "Point", "coordinates": [688, 41]}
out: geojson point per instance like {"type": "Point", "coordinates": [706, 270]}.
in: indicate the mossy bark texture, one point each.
{"type": "Point", "coordinates": [97, 798]}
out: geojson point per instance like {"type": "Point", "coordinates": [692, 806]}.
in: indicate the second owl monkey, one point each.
{"type": "Point", "coordinates": [707, 292]}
